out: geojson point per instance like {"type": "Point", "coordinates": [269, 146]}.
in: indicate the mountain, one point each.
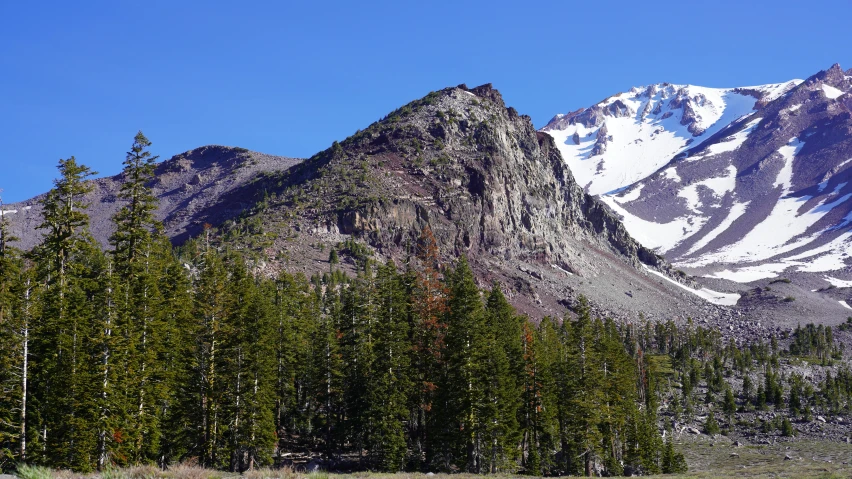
{"type": "Point", "coordinates": [631, 135]}
{"type": "Point", "coordinates": [459, 161]}
{"type": "Point", "coordinates": [741, 184]}
{"type": "Point", "coordinates": [489, 186]}
{"type": "Point", "coordinates": [194, 188]}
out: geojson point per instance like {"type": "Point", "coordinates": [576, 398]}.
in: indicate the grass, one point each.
{"type": "Point", "coordinates": [707, 458]}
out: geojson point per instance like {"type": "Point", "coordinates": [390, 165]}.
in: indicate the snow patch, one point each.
{"type": "Point", "coordinates": [750, 273]}
{"type": "Point", "coordinates": [660, 236]}
{"type": "Point", "coordinates": [737, 210]}
{"type": "Point", "coordinates": [715, 297]}
{"type": "Point", "coordinates": [641, 142]}
{"type": "Point", "coordinates": [719, 186]}
{"type": "Point", "coordinates": [733, 143]}
{"type": "Point", "coordinates": [843, 303]}
{"type": "Point", "coordinates": [764, 241]}
{"type": "Point", "coordinates": [832, 92]}
{"type": "Point", "coordinates": [840, 283]}
{"type": "Point", "coordinates": [631, 196]}
{"type": "Point", "coordinates": [671, 173]}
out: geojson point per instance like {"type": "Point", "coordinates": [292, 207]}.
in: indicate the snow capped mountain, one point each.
{"type": "Point", "coordinates": [739, 184]}
{"type": "Point", "coordinates": [629, 136]}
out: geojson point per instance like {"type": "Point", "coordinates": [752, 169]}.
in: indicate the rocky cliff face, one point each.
{"type": "Point", "coordinates": [490, 187]}
{"type": "Point", "coordinates": [480, 176]}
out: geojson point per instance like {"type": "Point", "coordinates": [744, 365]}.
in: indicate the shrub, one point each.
{"type": "Point", "coordinates": [787, 428]}
{"type": "Point", "coordinates": [711, 427]}
{"type": "Point", "coordinates": [34, 472]}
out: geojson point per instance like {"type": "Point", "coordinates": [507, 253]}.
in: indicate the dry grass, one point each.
{"type": "Point", "coordinates": [707, 459]}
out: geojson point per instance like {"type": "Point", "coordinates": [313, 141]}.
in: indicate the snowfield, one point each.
{"type": "Point", "coordinates": [740, 184]}
{"type": "Point", "coordinates": [651, 131]}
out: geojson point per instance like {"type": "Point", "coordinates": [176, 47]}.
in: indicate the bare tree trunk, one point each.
{"type": "Point", "coordinates": [25, 370]}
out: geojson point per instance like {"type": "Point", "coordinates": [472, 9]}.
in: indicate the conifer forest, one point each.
{"type": "Point", "coordinates": [149, 353]}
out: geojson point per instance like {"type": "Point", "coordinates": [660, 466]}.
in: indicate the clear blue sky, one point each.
{"type": "Point", "coordinates": [288, 78]}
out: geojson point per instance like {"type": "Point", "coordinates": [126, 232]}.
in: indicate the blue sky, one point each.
{"type": "Point", "coordinates": [288, 78]}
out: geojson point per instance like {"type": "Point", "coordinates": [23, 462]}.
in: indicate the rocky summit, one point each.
{"type": "Point", "coordinates": [458, 161]}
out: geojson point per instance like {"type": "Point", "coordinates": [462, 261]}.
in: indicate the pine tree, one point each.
{"type": "Point", "coordinates": [247, 370]}
{"type": "Point", "coordinates": [201, 395]}
{"type": "Point", "coordinates": [711, 427]}
{"type": "Point", "coordinates": [584, 397]}
{"type": "Point", "coordinates": [358, 320]}
{"type": "Point", "coordinates": [139, 256]}
{"type": "Point", "coordinates": [177, 355]}
{"type": "Point", "coordinates": [462, 400]}
{"type": "Point", "coordinates": [325, 376]}
{"type": "Point", "coordinates": [14, 343]}
{"type": "Point", "coordinates": [543, 413]}
{"type": "Point", "coordinates": [389, 384]}
{"type": "Point", "coordinates": [64, 404]}
{"type": "Point", "coordinates": [503, 376]}
{"type": "Point", "coordinates": [730, 404]}
{"type": "Point", "coordinates": [673, 462]}
{"type": "Point", "coordinates": [296, 311]}
{"type": "Point", "coordinates": [427, 330]}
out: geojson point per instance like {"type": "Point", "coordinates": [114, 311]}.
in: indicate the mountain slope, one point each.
{"type": "Point", "coordinates": [770, 192]}
{"type": "Point", "coordinates": [193, 189]}
{"type": "Point", "coordinates": [629, 136]}
{"type": "Point", "coordinates": [490, 187]}
{"type": "Point", "coordinates": [459, 161]}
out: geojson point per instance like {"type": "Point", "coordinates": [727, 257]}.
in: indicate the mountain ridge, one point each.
{"type": "Point", "coordinates": [763, 196]}
{"type": "Point", "coordinates": [459, 160]}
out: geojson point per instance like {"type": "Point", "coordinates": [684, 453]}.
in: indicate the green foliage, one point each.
{"type": "Point", "coordinates": [25, 471]}
{"type": "Point", "coordinates": [711, 427]}
{"type": "Point", "coordinates": [787, 428]}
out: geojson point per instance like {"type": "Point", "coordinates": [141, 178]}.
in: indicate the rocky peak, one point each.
{"type": "Point", "coordinates": [488, 91]}
{"type": "Point", "coordinates": [484, 181]}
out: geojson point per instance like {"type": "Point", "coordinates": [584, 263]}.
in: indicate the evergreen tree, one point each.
{"type": "Point", "coordinates": [247, 367]}
{"type": "Point", "coordinates": [585, 397]}
{"type": "Point", "coordinates": [326, 375]}
{"type": "Point", "coordinates": [201, 395]}
{"type": "Point", "coordinates": [389, 383]}
{"type": "Point", "coordinates": [729, 405]}
{"type": "Point", "coordinates": [139, 257]}
{"type": "Point", "coordinates": [503, 375]}
{"type": "Point", "coordinates": [14, 343]}
{"type": "Point", "coordinates": [711, 427]}
{"type": "Point", "coordinates": [296, 311]}
{"type": "Point", "coordinates": [673, 461]}
{"type": "Point", "coordinates": [64, 404]}
{"type": "Point", "coordinates": [462, 393]}
{"type": "Point", "coordinates": [427, 330]}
